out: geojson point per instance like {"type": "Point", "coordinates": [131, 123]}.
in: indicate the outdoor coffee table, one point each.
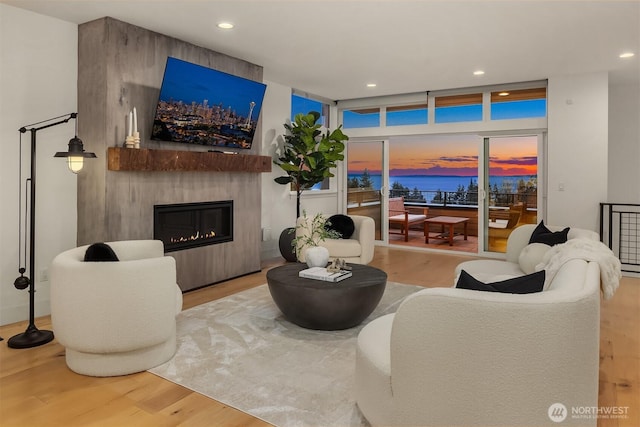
{"type": "Point", "coordinates": [315, 304]}
{"type": "Point", "coordinates": [448, 221]}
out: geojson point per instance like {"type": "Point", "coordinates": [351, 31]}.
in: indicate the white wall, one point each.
{"type": "Point", "coordinates": [37, 82]}
{"type": "Point", "coordinates": [577, 149]}
{"type": "Point", "coordinates": [624, 144]}
{"type": "Point", "coordinates": [278, 207]}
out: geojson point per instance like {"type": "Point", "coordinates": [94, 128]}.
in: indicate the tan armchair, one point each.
{"type": "Point", "coordinates": [400, 216]}
{"type": "Point", "coordinates": [502, 223]}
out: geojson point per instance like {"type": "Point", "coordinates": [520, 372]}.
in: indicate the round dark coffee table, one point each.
{"type": "Point", "coordinates": [328, 306]}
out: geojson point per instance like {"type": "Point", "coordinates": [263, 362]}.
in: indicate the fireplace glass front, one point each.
{"type": "Point", "coordinates": [190, 225]}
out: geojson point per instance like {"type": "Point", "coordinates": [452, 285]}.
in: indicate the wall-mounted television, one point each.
{"type": "Point", "coordinates": [202, 106]}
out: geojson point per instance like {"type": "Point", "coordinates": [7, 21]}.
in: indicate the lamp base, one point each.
{"type": "Point", "coordinates": [32, 337]}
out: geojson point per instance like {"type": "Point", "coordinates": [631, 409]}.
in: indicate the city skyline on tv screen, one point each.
{"type": "Point", "coordinates": [202, 106]}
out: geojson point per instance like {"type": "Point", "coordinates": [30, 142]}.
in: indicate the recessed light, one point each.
{"type": "Point", "coordinates": [371, 85]}
{"type": "Point", "coordinates": [478, 73]}
{"type": "Point", "coordinates": [627, 55]}
{"type": "Point", "coordinates": [225, 25]}
{"type": "Point", "coordinates": [503, 94]}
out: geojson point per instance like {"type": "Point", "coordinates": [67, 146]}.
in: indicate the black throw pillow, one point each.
{"type": "Point", "coordinates": [100, 252]}
{"type": "Point", "coordinates": [541, 234]}
{"type": "Point", "coordinates": [528, 284]}
{"type": "Point", "coordinates": [343, 224]}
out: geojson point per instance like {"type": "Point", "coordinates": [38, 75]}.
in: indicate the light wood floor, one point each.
{"type": "Point", "coordinates": [37, 389]}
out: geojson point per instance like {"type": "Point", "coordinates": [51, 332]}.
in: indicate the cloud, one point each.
{"type": "Point", "coordinates": [457, 159]}
{"type": "Point", "coordinates": [436, 170]}
{"type": "Point", "coordinates": [521, 161]}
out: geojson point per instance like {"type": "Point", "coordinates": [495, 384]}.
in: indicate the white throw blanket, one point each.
{"type": "Point", "coordinates": [588, 250]}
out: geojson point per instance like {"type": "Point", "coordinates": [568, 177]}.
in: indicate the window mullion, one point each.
{"type": "Point", "coordinates": [486, 106]}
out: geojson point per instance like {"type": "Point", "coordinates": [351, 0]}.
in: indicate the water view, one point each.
{"type": "Point", "coordinates": [444, 183]}
{"type": "Point", "coordinates": [448, 189]}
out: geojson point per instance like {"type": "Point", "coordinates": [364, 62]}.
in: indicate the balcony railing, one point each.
{"type": "Point", "coordinates": [362, 197]}
{"type": "Point", "coordinates": [620, 230]}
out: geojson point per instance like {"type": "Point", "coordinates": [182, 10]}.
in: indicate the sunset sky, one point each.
{"type": "Point", "coordinates": [447, 155]}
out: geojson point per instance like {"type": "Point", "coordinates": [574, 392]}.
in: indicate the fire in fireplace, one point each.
{"type": "Point", "coordinates": [190, 225]}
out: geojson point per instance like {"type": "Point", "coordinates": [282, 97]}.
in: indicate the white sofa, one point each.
{"type": "Point", "coordinates": [358, 249]}
{"type": "Point", "coordinates": [116, 318]}
{"type": "Point", "coordinates": [458, 357]}
{"type": "Point", "coordinates": [521, 258]}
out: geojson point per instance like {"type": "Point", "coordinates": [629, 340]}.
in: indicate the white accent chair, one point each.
{"type": "Point", "coordinates": [116, 318]}
{"type": "Point", "coordinates": [358, 249]}
{"type": "Point", "coordinates": [457, 357]}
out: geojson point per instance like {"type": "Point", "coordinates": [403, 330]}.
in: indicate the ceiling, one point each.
{"type": "Point", "coordinates": [333, 48]}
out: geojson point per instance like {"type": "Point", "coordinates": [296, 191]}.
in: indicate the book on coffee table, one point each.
{"type": "Point", "coordinates": [321, 273]}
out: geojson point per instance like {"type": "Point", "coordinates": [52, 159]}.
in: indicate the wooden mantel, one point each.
{"type": "Point", "coordinates": [131, 159]}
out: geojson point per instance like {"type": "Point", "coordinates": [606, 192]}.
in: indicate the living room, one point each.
{"type": "Point", "coordinates": [587, 114]}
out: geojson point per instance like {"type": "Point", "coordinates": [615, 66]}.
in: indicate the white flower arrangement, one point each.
{"type": "Point", "coordinates": [316, 231]}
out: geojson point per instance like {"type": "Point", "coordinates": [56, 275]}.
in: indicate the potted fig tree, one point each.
{"type": "Point", "coordinates": [307, 156]}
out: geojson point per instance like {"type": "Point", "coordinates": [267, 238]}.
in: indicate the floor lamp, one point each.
{"type": "Point", "coordinates": [32, 336]}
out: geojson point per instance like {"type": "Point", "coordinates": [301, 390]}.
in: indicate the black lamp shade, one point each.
{"type": "Point", "coordinates": [75, 155]}
{"type": "Point", "coordinates": [76, 149]}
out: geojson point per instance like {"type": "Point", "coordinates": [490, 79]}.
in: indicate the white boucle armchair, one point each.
{"type": "Point", "coordinates": [116, 318]}
{"type": "Point", "coordinates": [358, 249]}
{"type": "Point", "coordinates": [457, 357]}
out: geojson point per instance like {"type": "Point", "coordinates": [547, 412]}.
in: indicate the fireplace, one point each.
{"type": "Point", "coordinates": [190, 225]}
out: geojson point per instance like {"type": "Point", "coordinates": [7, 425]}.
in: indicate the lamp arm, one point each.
{"type": "Point", "coordinates": [68, 116]}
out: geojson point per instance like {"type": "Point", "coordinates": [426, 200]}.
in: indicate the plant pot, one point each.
{"type": "Point", "coordinates": [286, 248]}
{"type": "Point", "coordinates": [317, 256]}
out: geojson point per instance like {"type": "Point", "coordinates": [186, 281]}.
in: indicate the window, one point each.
{"type": "Point", "coordinates": [518, 104]}
{"type": "Point", "coordinates": [407, 115]}
{"type": "Point", "coordinates": [324, 185]}
{"type": "Point", "coordinates": [459, 108]}
{"type": "Point", "coordinates": [464, 106]}
{"type": "Point", "coordinates": [361, 118]}
{"type": "Point", "coordinates": [434, 169]}
{"type": "Point", "coordinates": [302, 104]}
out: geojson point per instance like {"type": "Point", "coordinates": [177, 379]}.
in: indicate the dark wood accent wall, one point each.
{"type": "Point", "coordinates": [120, 66]}
{"type": "Point", "coordinates": [131, 159]}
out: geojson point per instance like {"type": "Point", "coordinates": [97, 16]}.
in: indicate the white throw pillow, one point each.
{"type": "Point", "coordinates": [531, 256]}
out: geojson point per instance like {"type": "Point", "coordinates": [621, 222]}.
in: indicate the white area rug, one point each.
{"type": "Point", "coordinates": [240, 351]}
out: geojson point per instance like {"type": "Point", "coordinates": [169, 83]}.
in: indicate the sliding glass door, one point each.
{"type": "Point", "coordinates": [510, 184]}
{"type": "Point", "coordinates": [367, 182]}
{"type": "Point", "coordinates": [491, 181]}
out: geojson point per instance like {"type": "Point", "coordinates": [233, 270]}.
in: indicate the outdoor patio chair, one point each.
{"type": "Point", "coordinates": [501, 224]}
{"type": "Point", "coordinates": [400, 216]}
